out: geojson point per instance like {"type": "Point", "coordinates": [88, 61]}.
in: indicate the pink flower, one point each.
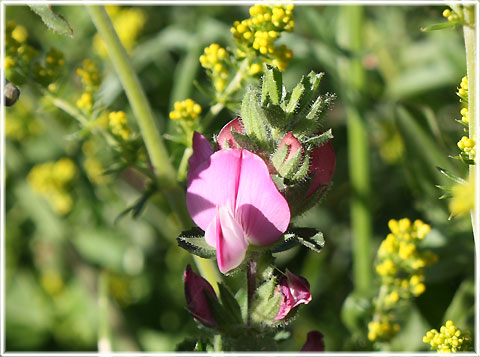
{"type": "Point", "coordinates": [314, 342]}
{"type": "Point", "coordinates": [196, 290]}
{"type": "Point", "coordinates": [295, 290]}
{"type": "Point", "coordinates": [231, 196]}
{"type": "Point", "coordinates": [225, 138]}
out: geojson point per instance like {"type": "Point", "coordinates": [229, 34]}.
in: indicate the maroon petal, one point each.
{"type": "Point", "coordinates": [322, 166]}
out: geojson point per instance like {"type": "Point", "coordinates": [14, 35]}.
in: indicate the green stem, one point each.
{"type": "Point", "coordinates": [251, 286]}
{"type": "Point", "coordinates": [469, 34]}
{"type": "Point", "coordinates": [154, 143]}
{"type": "Point", "coordinates": [350, 36]}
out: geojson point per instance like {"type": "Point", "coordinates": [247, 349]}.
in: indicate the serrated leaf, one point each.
{"type": "Point", "coordinates": [194, 242]}
{"type": "Point", "coordinates": [266, 304]}
{"type": "Point", "coordinates": [451, 176]}
{"type": "Point", "coordinates": [310, 238]}
{"type": "Point", "coordinates": [52, 20]}
{"type": "Point", "coordinates": [230, 304]}
{"type": "Point", "coordinates": [275, 116]}
{"type": "Point", "coordinates": [440, 26]}
{"type": "Point", "coordinates": [303, 170]}
{"type": "Point", "coordinates": [289, 168]}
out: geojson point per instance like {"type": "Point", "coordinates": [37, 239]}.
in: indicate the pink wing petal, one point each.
{"type": "Point", "coordinates": [260, 209]}
{"type": "Point", "coordinates": [231, 243]}
{"type": "Point", "coordinates": [202, 150]}
{"type": "Point", "coordinates": [213, 183]}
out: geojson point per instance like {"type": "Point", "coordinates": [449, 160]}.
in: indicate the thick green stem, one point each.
{"type": "Point", "coordinates": [154, 143]}
{"type": "Point", "coordinates": [352, 74]}
{"type": "Point", "coordinates": [469, 34]}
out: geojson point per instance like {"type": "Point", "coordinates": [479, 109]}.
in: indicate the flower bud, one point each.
{"type": "Point", "coordinates": [314, 342]}
{"type": "Point", "coordinates": [196, 290]}
{"type": "Point", "coordinates": [295, 290]}
{"type": "Point", "coordinates": [225, 138]}
{"type": "Point", "coordinates": [322, 166]}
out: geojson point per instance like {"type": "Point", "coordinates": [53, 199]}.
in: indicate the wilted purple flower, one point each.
{"type": "Point", "coordinates": [295, 290]}
{"type": "Point", "coordinates": [314, 342]}
{"type": "Point", "coordinates": [196, 290]}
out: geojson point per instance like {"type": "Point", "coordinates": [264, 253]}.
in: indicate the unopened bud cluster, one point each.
{"type": "Point", "coordinates": [465, 144]}
{"type": "Point", "coordinates": [449, 339]}
{"type": "Point", "coordinates": [52, 180]}
{"type": "Point", "coordinates": [400, 268]}
{"type": "Point", "coordinates": [213, 60]}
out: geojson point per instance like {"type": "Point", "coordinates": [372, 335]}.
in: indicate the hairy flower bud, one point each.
{"type": "Point", "coordinates": [225, 139]}
{"type": "Point", "coordinates": [295, 290]}
{"type": "Point", "coordinates": [196, 290]}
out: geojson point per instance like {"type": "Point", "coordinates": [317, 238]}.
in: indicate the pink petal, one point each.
{"type": "Point", "coordinates": [322, 166]}
{"type": "Point", "coordinates": [212, 184]}
{"type": "Point", "coordinates": [225, 138]}
{"type": "Point", "coordinates": [202, 150]}
{"type": "Point", "coordinates": [231, 243]}
{"type": "Point", "coordinates": [292, 143]}
{"type": "Point", "coordinates": [299, 287]}
{"type": "Point", "coordinates": [260, 209]}
{"type": "Point", "coordinates": [287, 300]}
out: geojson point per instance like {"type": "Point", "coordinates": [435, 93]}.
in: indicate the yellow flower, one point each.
{"type": "Point", "coordinates": [463, 200]}
{"type": "Point", "coordinates": [449, 339]}
{"type": "Point", "coordinates": [186, 110]}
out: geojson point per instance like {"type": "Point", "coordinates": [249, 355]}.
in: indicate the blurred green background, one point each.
{"type": "Point", "coordinates": [56, 264]}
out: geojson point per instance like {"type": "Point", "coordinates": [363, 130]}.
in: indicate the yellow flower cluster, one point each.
{"type": "Point", "coordinates": [117, 122]}
{"type": "Point", "coordinates": [467, 146]}
{"type": "Point", "coordinates": [93, 166]}
{"type": "Point", "coordinates": [259, 32]}
{"type": "Point", "coordinates": [128, 23]}
{"type": "Point", "coordinates": [49, 72]}
{"type": "Point", "coordinates": [449, 339]}
{"type": "Point", "coordinates": [18, 54]}
{"type": "Point", "coordinates": [213, 59]}
{"type": "Point", "coordinates": [450, 15]}
{"type": "Point", "coordinates": [52, 180]}
{"type": "Point", "coordinates": [400, 267]}
{"type": "Point", "coordinates": [382, 330]}
{"type": "Point", "coordinates": [187, 110]}
{"type": "Point", "coordinates": [462, 91]}
{"type": "Point", "coordinates": [91, 78]}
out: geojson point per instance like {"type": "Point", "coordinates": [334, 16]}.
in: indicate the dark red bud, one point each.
{"type": "Point", "coordinates": [196, 289]}
{"type": "Point", "coordinates": [322, 166]}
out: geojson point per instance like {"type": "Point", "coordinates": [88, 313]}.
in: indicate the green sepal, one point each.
{"type": "Point", "coordinates": [230, 304]}
{"type": "Point", "coordinates": [245, 142]}
{"type": "Point", "coordinates": [279, 182]}
{"type": "Point", "coordinates": [289, 168]}
{"type": "Point", "coordinates": [194, 242]}
{"type": "Point", "coordinates": [254, 118]}
{"type": "Point", "coordinates": [52, 20]}
{"type": "Point", "coordinates": [311, 83]}
{"type": "Point", "coordinates": [220, 315]}
{"type": "Point", "coordinates": [279, 157]}
{"type": "Point", "coordinates": [242, 297]}
{"type": "Point", "coordinates": [319, 140]}
{"type": "Point", "coordinates": [310, 116]}
{"type": "Point", "coordinates": [295, 97]}
{"type": "Point", "coordinates": [302, 171]}
{"type": "Point", "coordinates": [451, 176]}
{"type": "Point", "coordinates": [441, 26]}
{"type": "Point", "coordinates": [272, 86]}
{"type": "Point", "coordinates": [275, 116]}
{"type": "Point", "coordinates": [266, 304]}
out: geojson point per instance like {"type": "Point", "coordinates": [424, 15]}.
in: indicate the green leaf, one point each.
{"type": "Point", "coordinates": [308, 237]}
{"type": "Point", "coordinates": [193, 241]}
{"type": "Point", "coordinates": [245, 142]}
{"type": "Point", "coordinates": [297, 93]}
{"type": "Point", "coordinates": [279, 156]}
{"type": "Point", "coordinates": [290, 167]}
{"type": "Point", "coordinates": [266, 304]}
{"type": "Point", "coordinates": [54, 21]}
{"type": "Point", "coordinates": [451, 176]}
{"type": "Point", "coordinates": [230, 304]}
{"type": "Point", "coordinates": [440, 26]}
